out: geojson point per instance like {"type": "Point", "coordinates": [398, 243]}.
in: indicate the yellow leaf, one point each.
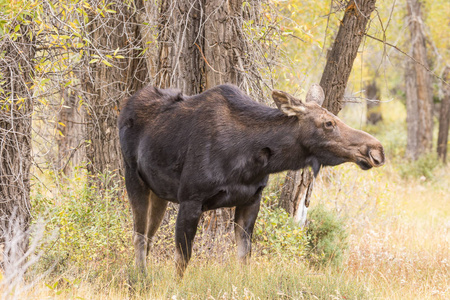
{"type": "Point", "coordinates": [106, 63]}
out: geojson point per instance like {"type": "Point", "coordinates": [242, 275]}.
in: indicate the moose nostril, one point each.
{"type": "Point", "coordinates": [377, 158]}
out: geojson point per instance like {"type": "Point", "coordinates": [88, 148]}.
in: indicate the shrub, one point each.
{"type": "Point", "coordinates": [327, 238]}
{"type": "Point", "coordinates": [93, 224]}
{"type": "Point", "coordinates": [277, 233]}
{"type": "Point", "coordinates": [424, 166]}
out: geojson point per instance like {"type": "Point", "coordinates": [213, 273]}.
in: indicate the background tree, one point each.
{"type": "Point", "coordinates": [373, 115]}
{"type": "Point", "coordinates": [179, 64]}
{"type": "Point", "coordinates": [114, 70]}
{"type": "Point", "coordinates": [444, 117]}
{"type": "Point", "coordinates": [418, 87]}
{"type": "Point", "coordinates": [296, 193]}
{"type": "Point", "coordinates": [16, 108]}
{"type": "Point", "coordinates": [71, 133]}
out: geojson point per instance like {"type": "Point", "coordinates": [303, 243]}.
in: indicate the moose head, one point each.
{"type": "Point", "coordinates": [327, 140]}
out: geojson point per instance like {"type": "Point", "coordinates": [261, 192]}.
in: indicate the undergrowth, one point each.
{"type": "Point", "coordinates": [93, 226]}
{"type": "Point", "coordinates": [276, 233]}
{"type": "Point", "coordinates": [327, 236]}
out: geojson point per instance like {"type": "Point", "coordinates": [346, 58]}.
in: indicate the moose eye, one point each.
{"type": "Point", "coordinates": [329, 124]}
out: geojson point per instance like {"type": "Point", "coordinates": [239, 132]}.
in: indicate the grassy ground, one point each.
{"type": "Point", "coordinates": [399, 231]}
{"type": "Point", "coordinates": [397, 219]}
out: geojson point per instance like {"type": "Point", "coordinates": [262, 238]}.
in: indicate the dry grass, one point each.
{"type": "Point", "coordinates": [399, 230]}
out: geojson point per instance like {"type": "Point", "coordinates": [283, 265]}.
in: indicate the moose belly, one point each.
{"type": "Point", "coordinates": [162, 182]}
{"type": "Point", "coordinates": [235, 195]}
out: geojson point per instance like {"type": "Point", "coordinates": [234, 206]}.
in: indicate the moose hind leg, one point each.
{"type": "Point", "coordinates": [186, 227]}
{"type": "Point", "coordinates": [244, 218]}
{"type": "Point", "coordinates": [155, 216]}
{"type": "Point", "coordinates": [138, 194]}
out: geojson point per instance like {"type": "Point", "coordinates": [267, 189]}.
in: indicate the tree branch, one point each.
{"type": "Point", "coordinates": [407, 55]}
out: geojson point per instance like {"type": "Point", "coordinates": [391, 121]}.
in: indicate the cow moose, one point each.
{"type": "Point", "coordinates": [217, 149]}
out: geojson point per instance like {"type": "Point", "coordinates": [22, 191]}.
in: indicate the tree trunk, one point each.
{"type": "Point", "coordinates": [70, 135]}
{"type": "Point", "coordinates": [373, 103]}
{"type": "Point", "coordinates": [179, 62]}
{"type": "Point", "coordinates": [223, 44]}
{"type": "Point", "coordinates": [296, 193]}
{"type": "Point", "coordinates": [201, 45]}
{"type": "Point", "coordinates": [418, 88]}
{"type": "Point", "coordinates": [412, 112]}
{"type": "Point", "coordinates": [16, 70]}
{"type": "Point", "coordinates": [444, 118]}
{"type": "Point", "coordinates": [110, 80]}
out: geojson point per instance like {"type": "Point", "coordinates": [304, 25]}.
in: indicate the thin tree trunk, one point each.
{"type": "Point", "coordinates": [444, 118]}
{"type": "Point", "coordinates": [296, 193]}
{"type": "Point", "coordinates": [418, 88]}
{"type": "Point", "coordinates": [70, 135]}
{"type": "Point", "coordinates": [373, 104]}
{"type": "Point", "coordinates": [108, 86]}
{"type": "Point", "coordinates": [412, 112]}
{"type": "Point", "coordinates": [16, 68]}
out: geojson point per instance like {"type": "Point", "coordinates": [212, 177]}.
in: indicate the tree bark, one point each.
{"type": "Point", "coordinates": [70, 136]}
{"type": "Point", "coordinates": [108, 86]}
{"type": "Point", "coordinates": [180, 39]}
{"type": "Point", "coordinates": [16, 108]}
{"type": "Point", "coordinates": [444, 118]}
{"type": "Point", "coordinates": [223, 43]}
{"type": "Point", "coordinates": [418, 88]}
{"type": "Point", "coordinates": [412, 112]}
{"type": "Point", "coordinates": [296, 193]}
{"type": "Point", "coordinates": [373, 114]}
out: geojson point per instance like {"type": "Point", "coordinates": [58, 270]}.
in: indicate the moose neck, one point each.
{"type": "Point", "coordinates": [284, 141]}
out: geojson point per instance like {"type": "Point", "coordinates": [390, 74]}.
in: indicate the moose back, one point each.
{"type": "Point", "coordinates": [217, 149]}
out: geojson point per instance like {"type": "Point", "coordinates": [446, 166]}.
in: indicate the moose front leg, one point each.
{"type": "Point", "coordinates": [186, 227]}
{"type": "Point", "coordinates": [244, 218]}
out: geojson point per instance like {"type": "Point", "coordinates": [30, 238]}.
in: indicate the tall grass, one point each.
{"type": "Point", "coordinates": [398, 230]}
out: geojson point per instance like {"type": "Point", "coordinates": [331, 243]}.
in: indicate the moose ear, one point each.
{"type": "Point", "coordinates": [289, 105]}
{"type": "Point", "coordinates": [315, 94]}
